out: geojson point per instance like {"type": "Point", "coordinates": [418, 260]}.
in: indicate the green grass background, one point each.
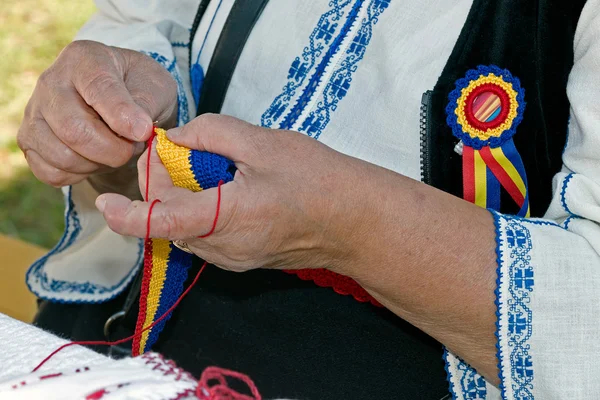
{"type": "Point", "coordinates": [32, 33]}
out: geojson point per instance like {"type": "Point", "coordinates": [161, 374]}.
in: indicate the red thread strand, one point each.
{"type": "Point", "coordinates": [149, 145]}
{"type": "Point", "coordinates": [127, 339]}
{"type": "Point", "coordinates": [147, 276]}
{"type": "Point", "coordinates": [214, 225]}
{"type": "Point", "coordinates": [205, 391]}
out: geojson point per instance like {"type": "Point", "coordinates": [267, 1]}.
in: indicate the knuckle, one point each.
{"type": "Point", "coordinates": [45, 78]}
{"type": "Point", "coordinates": [99, 87]}
{"type": "Point", "coordinates": [120, 155]}
{"type": "Point", "coordinates": [22, 135]}
{"type": "Point", "coordinates": [55, 177]}
{"type": "Point", "coordinates": [29, 111]}
{"type": "Point", "coordinates": [27, 132]}
{"type": "Point", "coordinates": [76, 46]}
{"type": "Point", "coordinates": [46, 81]}
{"type": "Point", "coordinates": [79, 49]}
{"type": "Point", "coordinates": [171, 226]}
{"type": "Point", "coordinates": [206, 121]}
{"type": "Point", "coordinates": [68, 160]}
{"type": "Point", "coordinates": [77, 131]}
{"type": "Point", "coordinates": [145, 100]}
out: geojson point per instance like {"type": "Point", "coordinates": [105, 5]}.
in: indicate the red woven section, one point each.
{"type": "Point", "coordinates": [339, 283]}
{"type": "Point", "coordinates": [139, 326]}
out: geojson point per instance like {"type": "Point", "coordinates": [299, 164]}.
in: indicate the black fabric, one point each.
{"type": "Point", "coordinates": [294, 339]}
{"type": "Point", "coordinates": [235, 33]}
{"type": "Point", "coordinates": [534, 40]}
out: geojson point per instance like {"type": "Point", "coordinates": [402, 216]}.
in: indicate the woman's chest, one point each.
{"type": "Point", "coordinates": [350, 73]}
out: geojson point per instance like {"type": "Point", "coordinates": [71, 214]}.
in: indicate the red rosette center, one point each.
{"type": "Point", "coordinates": [487, 107]}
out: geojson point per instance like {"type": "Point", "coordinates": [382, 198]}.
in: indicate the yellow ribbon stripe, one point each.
{"type": "Point", "coordinates": [480, 180]}
{"type": "Point", "coordinates": [510, 169]}
{"type": "Point", "coordinates": [160, 258]}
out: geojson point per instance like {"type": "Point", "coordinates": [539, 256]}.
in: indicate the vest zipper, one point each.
{"type": "Point", "coordinates": [424, 125]}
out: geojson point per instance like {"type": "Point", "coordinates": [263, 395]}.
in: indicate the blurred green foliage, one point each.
{"type": "Point", "coordinates": [32, 33]}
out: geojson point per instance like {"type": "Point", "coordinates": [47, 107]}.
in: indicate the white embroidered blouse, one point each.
{"type": "Point", "coordinates": [366, 104]}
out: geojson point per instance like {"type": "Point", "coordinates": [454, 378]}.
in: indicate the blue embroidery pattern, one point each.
{"type": "Point", "coordinates": [38, 275]}
{"type": "Point", "coordinates": [179, 44]}
{"type": "Point", "coordinates": [472, 385]}
{"type": "Point", "coordinates": [563, 192]}
{"type": "Point", "coordinates": [319, 39]}
{"type": "Point", "coordinates": [341, 79]}
{"type": "Point", "coordinates": [310, 89]}
{"type": "Point", "coordinates": [520, 326]}
{"type": "Point", "coordinates": [183, 116]}
{"type": "Point", "coordinates": [569, 220]}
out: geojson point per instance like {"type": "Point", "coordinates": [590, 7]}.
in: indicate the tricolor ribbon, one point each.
{"type": "Point", "coordinates": [166, 266]}
{"type": "Point", "coordinates": [484, 111]}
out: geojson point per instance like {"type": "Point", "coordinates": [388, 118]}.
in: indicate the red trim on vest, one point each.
{"type": "Point", "coordinates": [339, 283]}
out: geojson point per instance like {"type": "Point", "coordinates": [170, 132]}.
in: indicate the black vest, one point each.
{"type": "Point", "coordinates": [533, 39]}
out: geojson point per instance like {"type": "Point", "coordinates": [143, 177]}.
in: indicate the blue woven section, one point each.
{"type": "Point", "coordinates": [177, 273]}
{"type": "Point", "coordinates": [209, 168]}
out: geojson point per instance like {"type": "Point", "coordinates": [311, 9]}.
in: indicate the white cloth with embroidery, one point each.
{"type": "Point", "coordinates": [366, 104]}
{"type": "Point", "coordinates": [77, 372]}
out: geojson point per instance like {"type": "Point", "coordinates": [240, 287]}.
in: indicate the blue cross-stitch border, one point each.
{"type": "Point", "coordinates": [341, 79]}
{"type": "Point", "coordinates": [520, 279]}
{"type": "Point", "coordinates": [320, 41]}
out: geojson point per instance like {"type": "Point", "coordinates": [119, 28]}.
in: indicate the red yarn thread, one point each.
{"type": "Point", "coordinates": [147, 272]}
{"type": "Point", "coordinates": [221, 391]}
{"type": "Point", "coordinates": [149, 146]}
{"type": "Point", "coordinates": [127, 339]}
{"type": "Point", "coordinates": [214, 225]}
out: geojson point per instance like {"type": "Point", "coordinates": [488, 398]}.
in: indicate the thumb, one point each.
{"type": "Point", "coordinates": [152, 87]}
{"type": "Point", "coordinates": [230, 137]}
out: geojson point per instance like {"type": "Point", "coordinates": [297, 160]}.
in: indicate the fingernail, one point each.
{"type": "Point", "coordinates": [140, 129]}
{"type": "Point", "coordinates": [101, 203]}
{"type": "Point", "coordinates": [174, 133]}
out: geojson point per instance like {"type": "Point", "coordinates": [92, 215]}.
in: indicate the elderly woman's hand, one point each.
{"type": "Point", "coordinates": [294, 202]}
{"type": "Point", "coordinates": [87, 112]}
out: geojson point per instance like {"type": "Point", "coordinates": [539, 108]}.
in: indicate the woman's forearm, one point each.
{"type": "Point", "coordinates": [430, 258]}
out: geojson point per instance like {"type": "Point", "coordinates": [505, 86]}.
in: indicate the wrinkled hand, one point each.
{"type": "Point", "coordinates": [89, 110]}
{"type": "Point", "coordinates": [294, 202]}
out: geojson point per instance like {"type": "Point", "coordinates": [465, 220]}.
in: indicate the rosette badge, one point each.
{"type": "Point", "coordinates": [484, 111]}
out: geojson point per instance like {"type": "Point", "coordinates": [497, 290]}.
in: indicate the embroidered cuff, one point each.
{"type": "Point", "coordinates": [90, 263]}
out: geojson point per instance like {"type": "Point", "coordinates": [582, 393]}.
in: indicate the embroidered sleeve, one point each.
{"type": "Point", "coordinates": [91, 263]}
{"type": "Point", "coordinates": [548, 292]}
